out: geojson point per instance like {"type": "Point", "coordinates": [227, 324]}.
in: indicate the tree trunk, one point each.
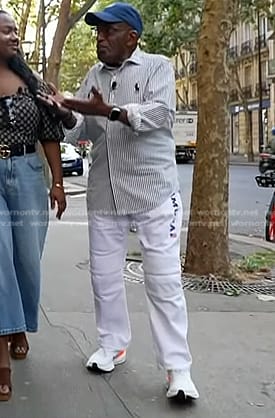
{"type": "Point", "coordinates": [207, 241]}
{"type": "Point", "coordinates": [35, 57]}
{"type": "Point", "coordinates": [62, 30]}
{"type": "Point", "coordinates": [65, 23]}
{"type": "Point", "coordinates": [24, 19]}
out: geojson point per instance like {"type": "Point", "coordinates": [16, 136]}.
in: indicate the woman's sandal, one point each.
{"type": "Point", "coordinates": [19, 350]}
{"type": "Point", "coordinates": [5, 380]}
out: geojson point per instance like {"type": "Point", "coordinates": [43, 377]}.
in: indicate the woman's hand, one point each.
{"type": "Point", "coordinates": [57, 196]}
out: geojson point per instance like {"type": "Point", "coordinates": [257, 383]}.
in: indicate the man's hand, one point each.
{"type": "Point", "coordinates": [54, 102]}
{"type": "Point", "coordinates": [57, 195]}
{"type": "Point", "coordinates": [93, 106]}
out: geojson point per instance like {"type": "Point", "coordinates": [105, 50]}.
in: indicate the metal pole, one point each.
{"type": "Point", "coordinates": [44, 63]}
{"type": "Point", "coordinates": [260, 115]}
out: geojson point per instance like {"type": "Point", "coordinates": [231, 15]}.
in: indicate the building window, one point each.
{"type": "Point", "coordinates": [234, 39]}
{"type": "Point", "coordinates": [264, 70]}
{"type": "Point", "coordinates": [246, 32]}
{"type": "Point", "coordinates": [269, 24]}
{"type": "Point", "coordinates": [247, 76]}
{"type": "Point", "coordinates": [263, 25]}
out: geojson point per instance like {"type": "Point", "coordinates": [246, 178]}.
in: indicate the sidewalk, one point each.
{"type": "Point", "coordinates": [232, 341]}
{"type": "Point", "coordinates": [240, 245]}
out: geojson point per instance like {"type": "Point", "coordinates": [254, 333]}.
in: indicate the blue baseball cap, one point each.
{"type": "Point", "coordinates": [116, 13]}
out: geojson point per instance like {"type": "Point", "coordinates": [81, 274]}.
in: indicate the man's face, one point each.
{"type": "Point", "coordinates": [9, 41]}
{"type": "Point", "coordinates": [115, 42]}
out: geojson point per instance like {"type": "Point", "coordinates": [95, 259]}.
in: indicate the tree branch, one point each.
{"type": "Point", "coordinates": [51, 18]}
{"type": "Point", "coordinates": [181, 99]}
{"type": "Point", "coordinates": [84, 9]}
{"type": "Point", "coordinates": [49, 4]}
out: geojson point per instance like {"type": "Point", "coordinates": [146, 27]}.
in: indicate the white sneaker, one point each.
{"type": "Point", "coordinates": [180, 385]}
{"type": "Point", "coordinates": [106, 361]}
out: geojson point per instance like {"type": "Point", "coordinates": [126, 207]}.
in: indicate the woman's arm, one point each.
{"type": "Point", "coordinates": [53, 155]}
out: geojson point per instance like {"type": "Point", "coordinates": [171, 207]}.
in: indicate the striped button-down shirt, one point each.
{"type": "Point", "coordinates": [133, 167]}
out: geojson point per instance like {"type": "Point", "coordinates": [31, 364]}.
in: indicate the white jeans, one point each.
{"type": "Point", "coordinates": [159, 234]}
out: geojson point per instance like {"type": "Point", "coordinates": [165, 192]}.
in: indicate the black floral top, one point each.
{"type": "Point", "coordinates": [24, 121]}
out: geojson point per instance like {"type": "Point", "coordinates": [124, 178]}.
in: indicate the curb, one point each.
{"type": "Point", "coordinates": [235, 163]}
{"type": "Point", "coordinates": [240, 163]}
{"type": "Point", "coordinates": [75, 192]}
{"type": "Point", "coordinates": [253, 241]}
{"type": "Point", "coordinates": [244, 163]}
{"type": "Point", "coordinates": [137, 258]}
{"type": "Point", "coordinates": [72, 189]}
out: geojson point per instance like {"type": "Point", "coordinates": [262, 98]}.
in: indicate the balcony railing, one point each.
{"type": "Point", "coordinates": [232, 53]}
{"type": "Point", "coordinates": [247, 92]}
{"type": "Point", "coordinates": [246, 48]}
{"type": "Point", "coordinates": [193, 68]}
{"type": "Point", "coordinates": [262, 40]}
{"type": "Point", "coordinates": [265, 89]}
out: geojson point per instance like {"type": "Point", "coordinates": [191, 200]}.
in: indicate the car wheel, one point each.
{"type": "Point", "coordinates": [80, 172]}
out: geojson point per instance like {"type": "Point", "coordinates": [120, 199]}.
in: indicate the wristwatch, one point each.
{"type": "Point", "coordinates": [114, 113]}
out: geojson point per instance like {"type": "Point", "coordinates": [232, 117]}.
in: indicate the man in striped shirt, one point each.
{"type": "Point", "coordinates": [128, 100]}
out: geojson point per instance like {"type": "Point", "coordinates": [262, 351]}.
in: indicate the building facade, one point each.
{"type": "Point", "coordinates": [252, 54]}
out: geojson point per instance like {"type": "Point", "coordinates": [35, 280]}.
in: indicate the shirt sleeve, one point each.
{"type": "Point", "coordinates": [159, 107]}
{"type": "Point", "coordinates": [73, 134]}
{"type": "Point", "coordinates": [50, 127]}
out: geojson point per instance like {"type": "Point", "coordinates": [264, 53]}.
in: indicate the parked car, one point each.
{"type": "Point", "coordinates": [85, 147]}
{"type": "Point", "coordinates": [72, 162]}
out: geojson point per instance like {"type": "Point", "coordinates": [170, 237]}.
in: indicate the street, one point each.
{"type": "Point", "coordinates": [247, 202]}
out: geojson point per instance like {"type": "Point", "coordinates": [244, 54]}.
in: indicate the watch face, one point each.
{"type": "Point", "coordinates": [115, 112]}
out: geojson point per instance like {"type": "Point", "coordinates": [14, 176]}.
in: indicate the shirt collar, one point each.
{"type": "Point", "coordinates": [135, 58]}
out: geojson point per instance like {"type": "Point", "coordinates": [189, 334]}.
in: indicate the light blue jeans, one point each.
{"type": "Point", "coordinates": [23, 227]}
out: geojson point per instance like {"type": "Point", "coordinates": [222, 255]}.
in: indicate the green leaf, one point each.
{"type": "Point", "coordinates": [78, 57]}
